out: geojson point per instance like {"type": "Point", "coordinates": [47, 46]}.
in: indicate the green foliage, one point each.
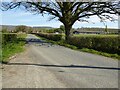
{"type": "Point", "coordinates": [43, 30]}
{"type": "Point", "coordinates": [21, 28]}
{"type": "Point", "coordinates": [10, 49]}
{"type": "Point", "coordinates": [105, 44]}
{"type": "Point", "coordinates": [54, 37]}
{"type": "Point", "coordinates": [29, 30]}
{"type": "Point", "coordinates": [58, 30]}
{"type": "Point", "coordinates": [50, 31]}
{"type": "Point", "coordinates": [62, 28]}
{"type": "Point", "coordinates": [116, 56]}
{"type": "Point", "coordinates": [96, 35]}
{"type": "Point", "coordinates": [11, 44]}
{"type": "Point", "coordinates": [106, 29]}
{"type": "Point", "coordinates": [4, 30]}
{"type": "Point", "coordinates": [8, 38]}
{"type": "Point", "coordinates": [80, 42]}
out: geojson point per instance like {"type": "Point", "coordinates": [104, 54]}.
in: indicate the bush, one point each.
{"type": "Point", "coordinates": [105, 44]}
{"type": "Point", "coordinates": [54, 37]}
{"type": "Point", "coordinates": [8, 38]}
{"type": "Point", "coordinates": [81, 42]}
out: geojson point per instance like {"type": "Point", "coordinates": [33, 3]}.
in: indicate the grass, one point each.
{"type": "Point", "coordinates": [63, 43]}
{"type": "Point", "coordinates": [96, 35]}
{"type": "Point", "coordinates": [115, 56]}
{"type": "Point", "coordinates": [12, 48]}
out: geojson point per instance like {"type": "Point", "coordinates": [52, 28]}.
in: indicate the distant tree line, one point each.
{"type": "Point", "coordinates": [17, 29]}
{"type": "Point", "coordinates": [61, 29]}
{"type": "Point", "coordinates": [27, 29]}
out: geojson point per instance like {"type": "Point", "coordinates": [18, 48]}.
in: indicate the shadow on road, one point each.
{"type": "Point", "coordinates": [66, 66]}
{"type": "Point", "coordinates": [37, 41]}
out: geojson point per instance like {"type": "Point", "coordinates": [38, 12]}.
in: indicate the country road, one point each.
{"type": "Point", "coordinates": [43, 65]}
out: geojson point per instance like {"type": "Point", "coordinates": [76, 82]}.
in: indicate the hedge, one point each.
{"type": "Point", "coordinates": [7, 38]}
{"type": "Point", "coordinates": [105, 44]}
{"type": "Point", "coordinates": [54, 37]}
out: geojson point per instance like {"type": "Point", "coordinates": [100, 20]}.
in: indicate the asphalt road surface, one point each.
{"type": "Point", "coordinates": [43, 65]}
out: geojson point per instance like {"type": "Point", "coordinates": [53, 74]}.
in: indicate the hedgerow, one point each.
{"type": "Point", "coordinates": [8, 38]}
{"type": "Point", "coordinates": [105, 44]}
{"type": "Point", "coordinates": [54, 37]}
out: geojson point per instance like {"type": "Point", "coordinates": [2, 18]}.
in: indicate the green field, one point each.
{"type": "Point", "coordinates": [12, 45]}
{"type": "Point", "coordinates": [92, 35]}
{"type": "Point", "coordinates": [96, 35]}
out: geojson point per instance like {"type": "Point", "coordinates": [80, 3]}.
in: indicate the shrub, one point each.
{"type": "Point", "coordinates": [105, 44]}
{"type": "Point", "coordinates": [11, 44]}
{"type": "Point", "coordinates": [54, 37]}
{"type": "Point", "coordinates": [85, 42]}
{"type": "Point", "coordinates": [7, 38]}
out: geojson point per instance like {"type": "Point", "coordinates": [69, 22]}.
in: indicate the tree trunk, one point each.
{"type": "Point", "coordinates": [67, 32]}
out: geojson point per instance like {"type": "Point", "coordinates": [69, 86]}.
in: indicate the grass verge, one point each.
{"type": "Point", "coordinates": [63, 43]}
{"type": "Point", "coordinates": [12, 48]}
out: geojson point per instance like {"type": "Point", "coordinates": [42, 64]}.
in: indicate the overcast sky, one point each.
{"type": "Point", "coordinates": [20, 17]}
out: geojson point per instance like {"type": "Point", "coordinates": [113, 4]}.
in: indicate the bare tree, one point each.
{"type": "Point", "coordinates": [68, 12]}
